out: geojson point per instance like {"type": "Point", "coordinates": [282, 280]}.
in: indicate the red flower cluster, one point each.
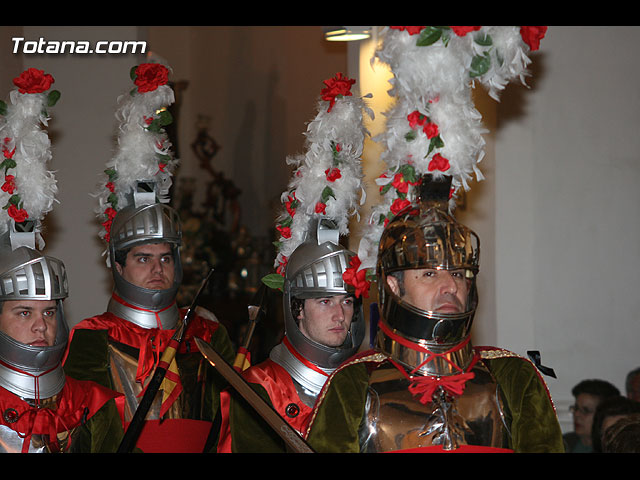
{"type": "Point", "coordinates": [429, 128]}
{"type": "Point", "coordinates": [110, 213]}
{"type": "Point", "coordinates": [9, 185]}
{"type": "Point", "coordinates": [438, 162]}
{"type": "Point", "coordinates": [335, 87]}
{"type": "Point", "coordinates": [284, 231]}
{"type": "Point", "coordinates": [33, 80]}
{"type": "Point", "coordinates": [399, 204]}
{"type": "Point", "coordinates": [409, 30]}
{"type": "Point", "coordinates": [18, 214]}
{"type": "Point", "coordinates": [150, 76]}
{"type": "Point", "coordinates": [357, 279]}
{"type": "Point", "coordinates": [462, 31]}
{"type": "Point", "coordinates": [282, 266]}
{"type": "Point", "coordinates": [532, 36]}
{"type": "Point", "coordinates": [332, 174]}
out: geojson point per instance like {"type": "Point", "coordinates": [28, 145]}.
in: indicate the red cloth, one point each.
{"type": "Point", "coordinates": [184, 435]}
{"type": "Point", "coordinates": [282, 393]}
{"type": "Point", "coordinates": [77, 402]}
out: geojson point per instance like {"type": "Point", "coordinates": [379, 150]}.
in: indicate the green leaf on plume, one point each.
{"type": "Point", "coordinates": [15, 199]}
{"type": "Point", "coordinates": [483, 39]}
{"type": "Point", "coordinates": [326, 193]}
{"type": "Point", "coordinates": [429, 36]}
{"type": "Point", "coordinates": [410, 136]}
{"type": "Point", "coordinates": [480, 65]}
{"type": "Point", "coordinates": [113, 200]}
{"type": "Point", "coordinates": [3, 108]}
{"type": "Point", "coordinates": [7, 164]}
{"type": "Point", "coordinates": [286, 222]}
{"type": "Point", "coordinates": [53, 97]}
{"type": "Point", "coordinates": [385, 189]}
{"type": "Point", "coordinates": [436, 142]}
{"type": "Point", "coordinates": [381, 219]}
{"type": "Point", "coordinates": [165, 118]}
{"type": "Point", "coordinates": [277, 244]}
{"type": "Point", "coordinates": [163, 157]}
{"type": "Point", "coordinates": [132, 72]}
{"type": "Point", "coordinates": [111, 173]}
{"type": "Point", "coordinates": [408, 172]}
{"type": "Point", "coordinates": [273, 280]}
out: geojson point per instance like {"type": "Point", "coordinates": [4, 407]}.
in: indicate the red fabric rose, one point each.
{"type": "Point", "coordinates": [18, 214]}
{"type": "Point", "coordinates": [7, 153]}
{"type": "Point", "coordinates": [399, 183]}
{"type": "Point", "coordinates": [282, 265]}
{"type": "Point", "coordinates": [321, 208]}
{"type": "Point", "coordinates": [532, 36]}
{"type": "Point", "coordinates": [438, 162]}
{"type": "Point", "coordinates": [431, 130]}
{"type": "Point", "coordinates": [332, 174]}
{"type": "Point", "coordinates": [284, 231]}
{"type": "Point", "coordinates": [416, 118]}
{"type": "Point", "coordinates": [150, 76]}
{"type": "Point", "coordinates": [9, 184]}
{"type": "Point", "coordinates": [110, 186]}
{"type": "Point", "coordinates": [33, 80]}
{"type": "Point", "coordinates": [336, 86]}
{"type": "Point", "coordinates": [357, 279]}
{"type": "Point", "coordinates": [462, 31]}
{"type": "Point", "coordinates": [110, 213]}
{"type": "Point", "coordinates": [289, 204]}
{"type": "Point", "coordinates": [409, 30]}
{"type": "Point", "coordinates": [399, 204]}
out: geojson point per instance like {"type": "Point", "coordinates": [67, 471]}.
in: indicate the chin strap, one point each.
{"type": "Point", "coordinates": [425, 386]}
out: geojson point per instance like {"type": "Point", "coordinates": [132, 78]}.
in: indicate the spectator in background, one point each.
{"type": "Point", "coordinates": [588, 395]}
{"type": "Point", "coordinates": [623, 436]}
{"type": "Point", "coordinates": [607, 413]}
{"type": "Point", "coordinates": [632, 384]}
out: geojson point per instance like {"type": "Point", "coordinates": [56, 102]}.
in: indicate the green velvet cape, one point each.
{"type": "Point", "coordinates": [530, 412]}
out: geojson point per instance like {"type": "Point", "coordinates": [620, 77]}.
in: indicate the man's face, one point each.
{"type": "Point", "coordinates": [149, 266]}
{"type": "Point", "coordinates": [442, 291]}
{"type": "Point", "coordinates": [32, 322]}
{"type": "Point", "coordinates": [327, 320]}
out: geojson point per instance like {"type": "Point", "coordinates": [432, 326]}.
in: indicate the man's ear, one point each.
{"type": "Point", "coordinates": [393, 284]}
{"type": "Point", "coordinates": [118, 267]}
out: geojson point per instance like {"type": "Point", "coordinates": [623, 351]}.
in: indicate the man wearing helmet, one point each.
{"type": "Point", "coordinates": [42, 409]}
{"type": "Point", "coordinates": [120, 348]}
{"type": "Point", "coordinates": [426, 387]}
{"type": "Point", "coordinates": [324, 326]}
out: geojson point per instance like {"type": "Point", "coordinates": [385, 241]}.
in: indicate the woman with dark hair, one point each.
{"type": "Point", "coordinates": [607, 413]}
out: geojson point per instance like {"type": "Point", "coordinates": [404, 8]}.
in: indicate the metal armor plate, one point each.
{"type": "Point", "coordinates": [395, 420]}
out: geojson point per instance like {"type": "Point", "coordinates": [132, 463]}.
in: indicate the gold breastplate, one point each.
{"type": "Point", "coordinates": [396, 420]}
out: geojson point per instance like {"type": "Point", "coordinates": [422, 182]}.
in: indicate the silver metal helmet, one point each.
{"type": "Point", "coordinates": [314, 270]}
{"type": "Point", "coordinates": [25, 274]}
{"type": "Point", "coordinates": [142, 222]}
{"type": "Point", "coordinates": [427, 237]}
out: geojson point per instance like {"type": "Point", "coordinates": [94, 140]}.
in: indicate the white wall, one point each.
{"type": "Point", "coordinates": [567, 198]}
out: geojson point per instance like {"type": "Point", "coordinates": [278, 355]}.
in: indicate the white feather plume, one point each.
{"type": "Point", "coordinates": [436, 80]}
{"type": "Point", "coordinates": [24, 140]}
{"type": "Point", "coordinates": [334, 140]}
{"type": "Point", "coordinates": [141, 153]}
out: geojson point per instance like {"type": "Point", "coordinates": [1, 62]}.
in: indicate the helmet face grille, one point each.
{"type": "Point", "coordinates": [151, 222]}
{"type": "Point", "coordinates": [41, 279]}
{"type": "Point", "coordinates": [324, 276]}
